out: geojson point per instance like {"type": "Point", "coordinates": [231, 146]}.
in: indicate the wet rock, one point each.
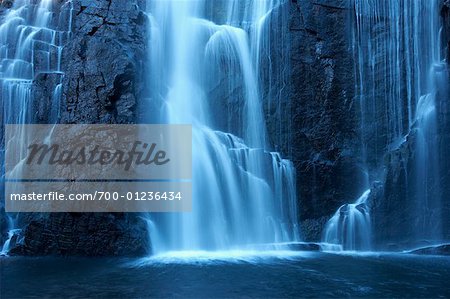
{"type": "Point", "coordinates": [43, 89]}
{"type": "Point", "coordinates": [445, 15]}
{"type": "Point", "coordinates": [304, 247]}
{"type": "Point", "coordinates": [3, 226]}
{"type": "Point", "coordinates": [325, 141]}
{"type": "Point", "coordinates": [444, 119]}
{"type": "Point", "coordinates": [104, 62]}
{"type": "Point", "coordinates": [433, 250]}
{"type": "Point", "coordinates": [6, 4]}
{"type": "Point", "coordinates": [399, 215]}
{"type": "Point", "coordinates": [312, 228]}
{"type": "Point", "coordinates": [389, 208]}
{"type": "Point", "coordinates": [78, 234]}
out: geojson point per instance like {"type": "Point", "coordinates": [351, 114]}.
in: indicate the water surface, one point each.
{"type": "Point", "coordinates": [231, 274]}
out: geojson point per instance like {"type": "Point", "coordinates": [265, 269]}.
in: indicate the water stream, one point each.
{"type": "Point", "coordinates": [350, 227]}
{"type": "Point", "coordinates": [243, 193]}
{"type": "Point", "coordinates": [398, 71]}
{"type": "Point", "coordinates": [32, 35]}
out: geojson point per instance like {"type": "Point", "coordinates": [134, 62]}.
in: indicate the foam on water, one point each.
{"type": "Point", "coordinates": [218, 257]}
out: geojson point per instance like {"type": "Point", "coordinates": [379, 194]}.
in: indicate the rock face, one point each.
{"type": "Point", "coordinates": [3, 226]}
{"type": "Point", "coordinates": [390, 208]}
{"type": "Point", "coordinates": [326, 135]}
{"type": "Point", "coordinates": [102, 61]}
{"type": "Point", "coordinates": [5, 4]}
{"type": "Point", "coordinates": [82, 235]}
{"type": "Point", "coordinates": [445, 15]}
{"type": "Point", "coordinates": [325, 142]}
{"type": "Point", "coordinates": [434, 250]}
{"type": "Point", "coordinates": [444, 119]}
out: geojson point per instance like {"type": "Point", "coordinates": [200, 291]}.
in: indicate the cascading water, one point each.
{"type": "Point", "coordinates": [428, 205]}
{"type": "Point", "coordinates": [350, 227]}
{"type": "Point", "coordinates": [32, 34]}
{"type": "Point", "coordinates": [398, 66]}
{"type": "Point", "coordinates": [13, 234]}
{"type": "Point", "coordinates": [204, 55]}
{"type": "Point", "coordinates": [396, 45]}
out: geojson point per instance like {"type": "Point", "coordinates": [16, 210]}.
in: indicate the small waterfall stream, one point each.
{"type": "Point", "coordinates": [206, 56]}
{"type": "Point", "coordinates": [32, 35]}
{"type": "Point", "coordinates": [350, 227]}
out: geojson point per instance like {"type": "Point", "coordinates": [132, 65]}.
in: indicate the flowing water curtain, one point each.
{"type": "Point", "coordinates": [206, 58]}
{"type": "Point", "coordinates": [433, 83]}
{"type": "Point", "coordinates": [32, 37]}
{"type": "Point", "coordinates": [395, 45]}
{"type": "Point", "coordinates": [397, 48]}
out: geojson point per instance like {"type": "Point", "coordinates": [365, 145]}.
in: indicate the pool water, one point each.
{"type": "Point", "coordinates": [228, 274]}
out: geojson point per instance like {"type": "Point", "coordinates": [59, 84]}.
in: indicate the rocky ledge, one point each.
{"type": "Point", "coordinates": [78, 234]}
{"type": "Point", "coordinates": [443, 249]}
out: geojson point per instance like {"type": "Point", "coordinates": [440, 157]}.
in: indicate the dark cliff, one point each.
{"type": "Point", "coordinates": [325, 141]}
{"type": "Point", "coordinates": [444, 110]}
{"type": "Point", "coordinates": [103, 59]}
{"type": "Point", "coordinates": [104, 62]}
{"type": "Point", "coordinates": [327, 135]}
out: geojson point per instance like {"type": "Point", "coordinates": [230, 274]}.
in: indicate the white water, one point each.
{"type": "Point", "coordinates": [350, 227]}
{"type": "Point", "coordinates": [12, 232]}
{"type": "Point", "coordinates": [243, 194]}
{"type": "Point", "coordinates": [220, 257]}
{"type": "Point", "coordinates": [32, 36]}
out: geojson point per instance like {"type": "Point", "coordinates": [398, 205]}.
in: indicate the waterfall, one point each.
{"type": "Point", "coordinates": [397, 69]}
{"type": "Point", "coordinates": [32, 35]}
{"type": "Point", "coordinates": [350, 227]}
{"type": "Point", "coordinates": [396, 44]}
{"type": "Point", "coordinates": [12, 234]}
{"type": "Point", "coordinates": [205, 66]}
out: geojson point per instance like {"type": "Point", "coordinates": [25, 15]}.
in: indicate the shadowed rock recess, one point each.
{"type": "Point", "coordinates": [316, 123]}
{"type": "Point", "coordinates": [325, 140]}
